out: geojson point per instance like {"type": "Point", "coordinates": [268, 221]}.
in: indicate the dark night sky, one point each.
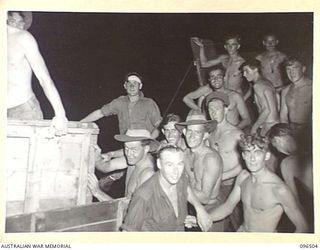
{"type": "Point", "coordinates": [88, 54]}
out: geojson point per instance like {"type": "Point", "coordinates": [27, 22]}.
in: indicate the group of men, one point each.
{"type": "Point", "coordinates": [211, 170]}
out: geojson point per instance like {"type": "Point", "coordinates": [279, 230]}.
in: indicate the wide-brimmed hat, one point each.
{"type": "Point", "coordinates": [138, 135]}
{"type": "Point", "coordinates": [217, 95]}
{"type": "Point", "coordinates": [195, 118]}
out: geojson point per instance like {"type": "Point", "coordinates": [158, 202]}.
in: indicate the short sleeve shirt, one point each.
{"type": "Point", "coordinates": [144, 113]}
{"type": "Point", "coordinates": [151, 210]}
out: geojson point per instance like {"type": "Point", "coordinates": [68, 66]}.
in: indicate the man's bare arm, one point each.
{"type": "Point", "coordinates": [93, 116]}
{"type": "Point", "coordinates": [243, 112]}
{"type": "Point", "coordinates": [211, 173]}
{"type": "Point", "coordinates": [291, 208]}
{"type": "Point", "coordinates": [233, 199]}
{"type": "Point", "coordinates": [93, 185]}
{"type": "Point", "coordinates": [202, 215]}
{"type": "Point", "coordinates": [190, 98]}
{"type": "Point", "coordinates": [284, 108]}
{"type": "Point", "coordinates": [112, 165]}
{"type": "Point", "coordinates": [267, 106]}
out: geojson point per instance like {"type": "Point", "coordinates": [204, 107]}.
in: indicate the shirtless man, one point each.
{"type": "Point", "coordinates": [237, 108]}
{"type": "Point", "coordinates": [23, 58]}
{"type": "Point", "coordinates": [264, 96]}
{"type": "Point", "coordinates": [271, 62]}
{"type": "Point", "coordinates": [296, 167]}
{"type": "Point", "coordinates": [206, 164]}
{"type": "Point", "coordinates": [225, 139]}
{"type": "Point", "coordinates": [297, 164]}
{"type": "Point", "coordinates": [296, 98]}
{"type": "Point", "coordinates": [140, 166]}
{"type": "Point", "coordinates": [160, 204]}
{"type": "Point", "coordinates": [265, 197]}
{"type": "Point", "coordinates": [231, 62]}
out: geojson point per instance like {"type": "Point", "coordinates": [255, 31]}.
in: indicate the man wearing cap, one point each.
{"type": "Point", "coordinates": [23, 58]}
{"type": "Point", "coordinates": [225, 139]}
{"type": "Point", "coordinates": [133, 110]}
{"type": "Point", "coordinates": [206, 163]}
{"type": "Point", "coordinates": [237, 108]}
{"type": "Point", "coordinates": [139, 163]}
{"type": "Point", "coordinates": [160, 203]}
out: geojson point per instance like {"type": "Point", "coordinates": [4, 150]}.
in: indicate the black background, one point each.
{"type": "Point", "coordinates": [88, 54]}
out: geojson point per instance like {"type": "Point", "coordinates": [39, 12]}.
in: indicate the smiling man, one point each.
{"type": "Point", "coordinates": [296, 98]}
{"type": "Point", "coordinates": [265, 197]}
{"type": "Point", "coordinates": [237, 112]}
{"type": "Point", "coordinates": [160, 204]}
{"type": "Point", "coordinates": [133, 110]}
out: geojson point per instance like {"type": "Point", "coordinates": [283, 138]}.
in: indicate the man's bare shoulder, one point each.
{"type": "Point", "coordinates": [25, 37]}
{"type": "Point", "coordinates": [242, 176]}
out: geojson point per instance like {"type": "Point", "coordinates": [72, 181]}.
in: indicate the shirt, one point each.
{"type": "Point", "coordinates": [143, 113]}
{"type": "Point", "coordinates": [151, 210]}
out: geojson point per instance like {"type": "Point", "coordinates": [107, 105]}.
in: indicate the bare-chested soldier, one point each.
{"type": "Point", "coordinates": [23, 58]}
{"type": "Point", "coordinates": [298, 163]}
{"type": "Point", "coordinates": [264, 96]}
{"type": "Point", "coordinates": [206, 164]}
{"type": "Point", "coordinates": [237, 108]}
{"type": "Point", "coordinates": [296, 98]}
{"type": "Point", "coordinates": [265, 197]}
{"type": "Point", "coordinates": [271, 62]}
{"type": "Point", "coordinates": [140, 165]}
{"type": "Point", "coordinates": [231, 62]}
{"type": "Point", "coordinates": [225, 139]}
{"type": "Point", "coordinates": [296, 167]}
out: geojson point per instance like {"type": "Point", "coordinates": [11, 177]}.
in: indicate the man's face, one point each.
{"type": "Point", "coordinates": [132, 87]}
{"type": "Point", "coordinates": [249, 73]}
{"type": "Point", "coordinates": [216, 110]}
{"type": "Point", "coordinates": [231, 46]}
{"type": "Point", "coordinates": [171, 134]}
{"type": "Point", "coordinates": [254, 158]}
{"type": "Point", "coordinates": [270, 42]}
{"type": "Point", "coordinates": [16, 20]}
{"type": "Point", "coordinates": [171, 165]}
{"type": "Point", "coordinates": [195, 135]}
{"type": "Point", "coordinates": [134, 152]}
{"type": "Point", "coordinates": [295, 71]}
{"type": "Point", "coordinates": [216, 78]}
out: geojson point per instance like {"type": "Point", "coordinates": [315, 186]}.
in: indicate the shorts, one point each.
{"type": "Point", "coordinates": [30, 110]}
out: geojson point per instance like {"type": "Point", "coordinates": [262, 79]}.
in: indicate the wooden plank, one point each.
{"type": "Point", "coordinates": [51, 172]}
{"type": "Point", "coordinates": [18, 223]}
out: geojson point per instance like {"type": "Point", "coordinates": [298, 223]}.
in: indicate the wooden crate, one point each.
{"type": "Point", "coordinates": [97, 217]}
{"type": "Point", "coordinates": [46, 173]}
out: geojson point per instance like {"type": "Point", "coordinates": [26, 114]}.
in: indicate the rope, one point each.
{"type": "Point", "coordinates": [178, 89]}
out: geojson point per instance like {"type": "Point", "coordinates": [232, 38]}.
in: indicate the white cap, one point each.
{"type": "Point", "coordinates": [134, 78]}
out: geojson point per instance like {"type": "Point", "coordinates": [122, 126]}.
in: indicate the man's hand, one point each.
{"type": "Point", "coordinates": [197, 41]}
{"type": "Point", "coordinates": [204, 220]}
{"type": "Point", "coordinates": [58, 126]}
{"type": "Point", "coordinates": [190, 221]}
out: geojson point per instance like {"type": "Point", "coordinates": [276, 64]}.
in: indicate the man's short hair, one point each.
{"type": "Point", "coordinates": [216, 67]}
{"type": "Point", "coordinates": [293, 59]}
{"type": "Point", "coordinates": [252, 64]}
{"type": "Point", "coordinates": [232, 36]}
{"type": "Point", "coordinates": [170, 148]}
{"type": "Point", "coordinates": [270, 34]}
{"type": "Point", "coordinates": [280, 129]}
{"type": "Point", "coordinates": [171, 118]}
{"type": "Point", "coordinates": [133, 74]}
{"type": "Point", "coordinates": [249, 141]}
